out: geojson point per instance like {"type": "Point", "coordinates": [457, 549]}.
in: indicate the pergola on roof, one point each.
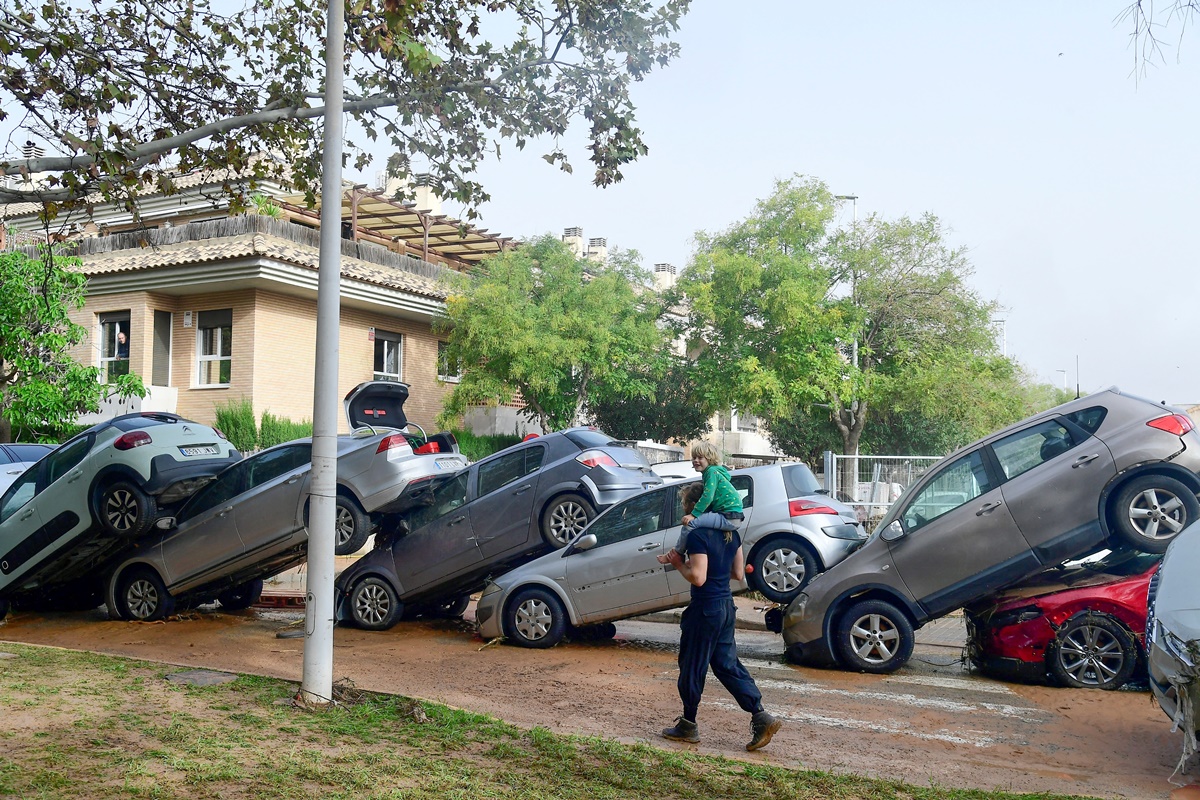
{"type": "Point", "coordinates": [373, 212]}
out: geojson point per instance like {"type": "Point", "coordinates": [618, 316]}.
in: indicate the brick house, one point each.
{"type": "Point", "coordinates": [215, 308]}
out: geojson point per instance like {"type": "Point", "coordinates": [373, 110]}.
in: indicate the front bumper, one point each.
{"type": "Point", "coordinates": [1175, 685]}
{"type": "Point", "coordinates": [487, 613]}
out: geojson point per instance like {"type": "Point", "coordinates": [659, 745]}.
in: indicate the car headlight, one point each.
{"type": "Point", "coordinates": [798, 607]}
{"type": "Point", "coordinates": [1183, 650]}
{"type": "Point", "coordinates": [490, 588]}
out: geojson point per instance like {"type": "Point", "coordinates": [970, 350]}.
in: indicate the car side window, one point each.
{"type": "Point", "coordinates": [5, 458]}
{"type": "Point", "coordinates": [278, 462]}
{"type": "Point", "coordinates": [637, 516]}
{"type": "Point", "coordinates": [29, 452]}
{"type": "Point", "coordinates": [957, 484]}
{"type": "Point", "coordinates": [1032, 447]}
{"type": "Point", "coordinates": [21, 492]}
{"type": "Point", "coordinates": [228, 485]}
{"type": "Point", "coordinates": [744, 485]}
{"type": "Point", "coordinates": [1089, 419]}
{"type": "Point", "coordinates": [442, 500]}
{"type": "Point", "coordinates": [65, 459]}
{"type": "Point", "coordinates": [508, 468]}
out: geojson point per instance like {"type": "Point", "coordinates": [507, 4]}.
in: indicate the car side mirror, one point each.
{"type": "Point", "coordinates": [893, 531]}
{"type": "Point", "coordinates": [165, 523]}
{"type": "Point", "coordinates": [585, 542]}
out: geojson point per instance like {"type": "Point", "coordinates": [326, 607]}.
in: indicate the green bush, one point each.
{"type": "Point", "coordinates": [273, 430]}
{"type": "Point", "coordinates": [235, 418]}
{"type": "Point", "coordinates": [477, 447]}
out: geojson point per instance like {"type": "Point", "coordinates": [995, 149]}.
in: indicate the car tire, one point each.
{"type": "Point", "coordinates": [1092, 651]}
{"type": "Point", "coordinates": [451, 608]}
{"type": "Point", "coordinates": [564, 517]}
{"type": "Point", "coordinates": [1150, 510]}
{"type": "Point", "coordinates": [374, 604]}
{"type": "Point", "coordinates": [143, 597]}
{"type": "Point", "coordinates": [124, 510]}
{"type": "Point", "coordinates": [782, 568]}
{"type": "Point", "coordinates": [351, 526]}
{"type": "Point", "coordinates": [873, 636]}
{"type": "Point", "coordinates": [242, 596]}
{"type": "Point", "coordinates": [535, 618]}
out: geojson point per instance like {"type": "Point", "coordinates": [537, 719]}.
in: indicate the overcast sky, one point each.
{"type": "Point", "coordinates": [1070, 179]}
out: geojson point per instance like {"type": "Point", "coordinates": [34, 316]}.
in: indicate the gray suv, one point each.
{"type": "Point", "coordinates": [1109, 469]}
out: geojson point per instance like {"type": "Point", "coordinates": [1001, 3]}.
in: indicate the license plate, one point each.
{"type": "Point", "coordinates": [443, 463]}
{"type": "Point", "coordinates": [201, 450]}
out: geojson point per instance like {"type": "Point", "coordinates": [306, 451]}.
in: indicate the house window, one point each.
{"type": "Point", "coordinates": [747, 422]}
{"type": "Point", "coordinates": [114, 345]}
{"type": "Point", "coordinates": [389, 359]}
{"type": "Point", "coordinates": [214, 347]}
{"type": "Point", "coordinates": [448, 370]}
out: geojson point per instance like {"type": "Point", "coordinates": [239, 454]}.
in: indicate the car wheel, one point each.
{"type": "Point", "coordinates": [374, 604]}
{"type": "Point", "coordinates": [143, 596]}
{"type": "Point", "coordinates": [873, 636]}
{"type": "Point", "coordinates": [563, 519]}
{"type": "Point", "coordinates": [351, 526]}
{"type": "Point", "coordinates": [535, 618]}
{"type": "Point", "coordinates": [241, 596]}
{"type": "Point", "coordinates": [1150, 510]}
{"type": "Point", "coordinates": [125, 510]}
{"type": "Point", "coordinates": [452, 608]}
{"type": "Point", "coordinates": [782, 568]}
{"type": "Point", "coordinates": [1093, 651]}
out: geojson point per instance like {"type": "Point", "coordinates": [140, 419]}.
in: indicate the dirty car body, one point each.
{"type": "Point", "coordinates": [442, 539]}
{"type": "Point", "coordinates": [1081, 625]}
{"type": "Point", "coordinates": [1101, 471]}
{"type": "Point", "coordinates": [1173, 634]}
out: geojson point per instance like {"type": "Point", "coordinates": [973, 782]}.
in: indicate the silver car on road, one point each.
{"type": "Point", "coordinates": [611, 572]}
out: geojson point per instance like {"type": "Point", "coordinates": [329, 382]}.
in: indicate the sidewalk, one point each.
{"type": "Point", "coordinates": [287, 590]}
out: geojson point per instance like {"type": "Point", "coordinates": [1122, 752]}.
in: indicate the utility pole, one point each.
{"type": "Point", "coordinates": [316, 687]}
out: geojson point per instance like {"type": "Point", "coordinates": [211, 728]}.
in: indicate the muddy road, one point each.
{"type": "Point", "coordinates": [930, 722]}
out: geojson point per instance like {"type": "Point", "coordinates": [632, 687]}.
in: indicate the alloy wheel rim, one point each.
{"type": "Point", "coordinates": [121, 510]}
{"type": "Point", "coordinates": [533, 619]}
{"type": "Point", "coordinates": [1156, 509]}
{"type": "Point", "coordinates": [142, 599]}
{"type": "Point", "coordinates": [566, 522]}
{"type": "Point", "coordinates": [875, 638]}
{"type": "Point", "coordinates": [344, 525]}
{"type": "Point", "coordinates": [371, 604]}
{"type": "Point", "coordinates": [1091, 655]}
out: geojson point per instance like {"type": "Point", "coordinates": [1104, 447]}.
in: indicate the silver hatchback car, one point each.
{"type": "Point", "coordinates": [610, 572]}
{"type": "Point", "coordinates": [1104, 470]}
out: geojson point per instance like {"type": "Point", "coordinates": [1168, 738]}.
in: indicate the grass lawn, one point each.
{"type": "Point", "coordinates": [80, 725]}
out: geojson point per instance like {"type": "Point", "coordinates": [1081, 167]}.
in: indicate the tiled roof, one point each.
{"type": "Point", "coordinates": [249, 245]}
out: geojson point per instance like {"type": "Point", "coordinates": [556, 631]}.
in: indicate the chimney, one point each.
{"type": "Point", "coordinates": [664, 276]}
{"type": "Point", "coordinates": [598, 250]}
{"type": "Point", "coordinates": [573, 239]}
{"type": "Point", "coordinates": [426, 195]}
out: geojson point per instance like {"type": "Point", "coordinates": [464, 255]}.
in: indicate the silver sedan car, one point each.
{"type": "Point", "coordinates": [611, 571]}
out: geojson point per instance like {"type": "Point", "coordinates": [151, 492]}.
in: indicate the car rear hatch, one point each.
{"type": "Point", "coordinates": [377, 404]}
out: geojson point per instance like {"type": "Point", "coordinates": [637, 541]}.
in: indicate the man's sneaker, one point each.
{"type": "Point", "coordinates": [762, 727]}
{"type": "Point", "coordinates": [684, 730]}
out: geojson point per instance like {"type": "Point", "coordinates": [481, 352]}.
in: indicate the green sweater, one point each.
{"type": "Point", "coordinates": [719, 494]}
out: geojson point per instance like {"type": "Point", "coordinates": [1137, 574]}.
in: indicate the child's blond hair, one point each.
{"type": "Point", "coordinates": [708, 450]}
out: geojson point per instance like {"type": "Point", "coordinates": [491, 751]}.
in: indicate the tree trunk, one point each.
{"type": "Point", "coordinates": [5, 431]}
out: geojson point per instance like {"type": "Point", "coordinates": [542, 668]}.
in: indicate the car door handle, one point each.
{"type": "Point", "coordinates": [76, 475]}
{"type": "Point", "coordinates": [293, 479]}
{"type": "Point", "coordinates": [457, 520]}
{"type": "Point", "coordinates": [224, 511]}
{"type": "Point", "coordinates": [987, 508]}
{"type": "Point", "coordinates": [27, 515]}
{"type": "Point", "coordinates": [523, 489]}
{"type": "Point", "coordinates": [1079, 462]}
{"type": "Point", "coordinates": [650, 546]}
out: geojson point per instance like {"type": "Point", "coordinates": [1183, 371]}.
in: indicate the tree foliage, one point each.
{"type": "Point", "coordinates": [555, 329]}
{"type": "Point", "coordinates": [42, 389]}
{"type": "Point", "coordinates": [791, 319]}
{"type": "Point", "coordinates": [674, 409]}
{"type": "Point", "coordinates": [126, 94]}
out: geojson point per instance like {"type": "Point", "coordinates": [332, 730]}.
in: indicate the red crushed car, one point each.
{"type": "Point", "coordinates": [1081, 625]}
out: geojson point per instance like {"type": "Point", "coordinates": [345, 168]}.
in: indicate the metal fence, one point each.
{"type": "Point", "coordinates": [872, 483]}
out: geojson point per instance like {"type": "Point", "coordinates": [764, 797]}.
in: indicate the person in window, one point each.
{"type": "Point", "coordinates": [714, 557]}
{"type": "Point", "coordinates": [122, 345]}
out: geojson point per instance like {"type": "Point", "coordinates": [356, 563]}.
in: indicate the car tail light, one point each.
{"type": "Point", "coordinates": [428, 447]}
{"type": "Point", "coordinates": [391, 442]}
{"type": "Point", "coordinates": [131, 440]}
{"type": "Point", "coordinates": [1178, 424]}
{"type": "Point", "coordinates": [596, 458]}
{"type": "Point", "coordinates": [219, 433]}
{"type": "Point", "coordinates": [799, 508]}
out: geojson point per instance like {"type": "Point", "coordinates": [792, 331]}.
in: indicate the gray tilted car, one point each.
{"type": "Point", "coordinates": [611, 571]}
{"type": "Point", "coordinates": [1104, 469]}
{"type": "Point", "coordinates": [449, 535]}
{"type": "Point", "coordinates": [1173, 635]}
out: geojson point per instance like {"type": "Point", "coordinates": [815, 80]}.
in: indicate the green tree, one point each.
{"type": "Point", "coordinates": [552, 327]}
{"type": "Point", "coordinates": [42, 389]}
{"type": "Point", "coordinates": [675, 408]}
{"type": "Point", "coordinates": [125, 95]}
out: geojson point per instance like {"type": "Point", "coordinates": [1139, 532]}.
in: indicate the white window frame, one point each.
{"type": "Point", "coordinates": [204, 359]}
{"type": "Point", "coordinates": [396, 340]}
{"type": "Point", "coordinates": [443, 365]}
{"type": "Point", "coordinates": [108, 355]}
